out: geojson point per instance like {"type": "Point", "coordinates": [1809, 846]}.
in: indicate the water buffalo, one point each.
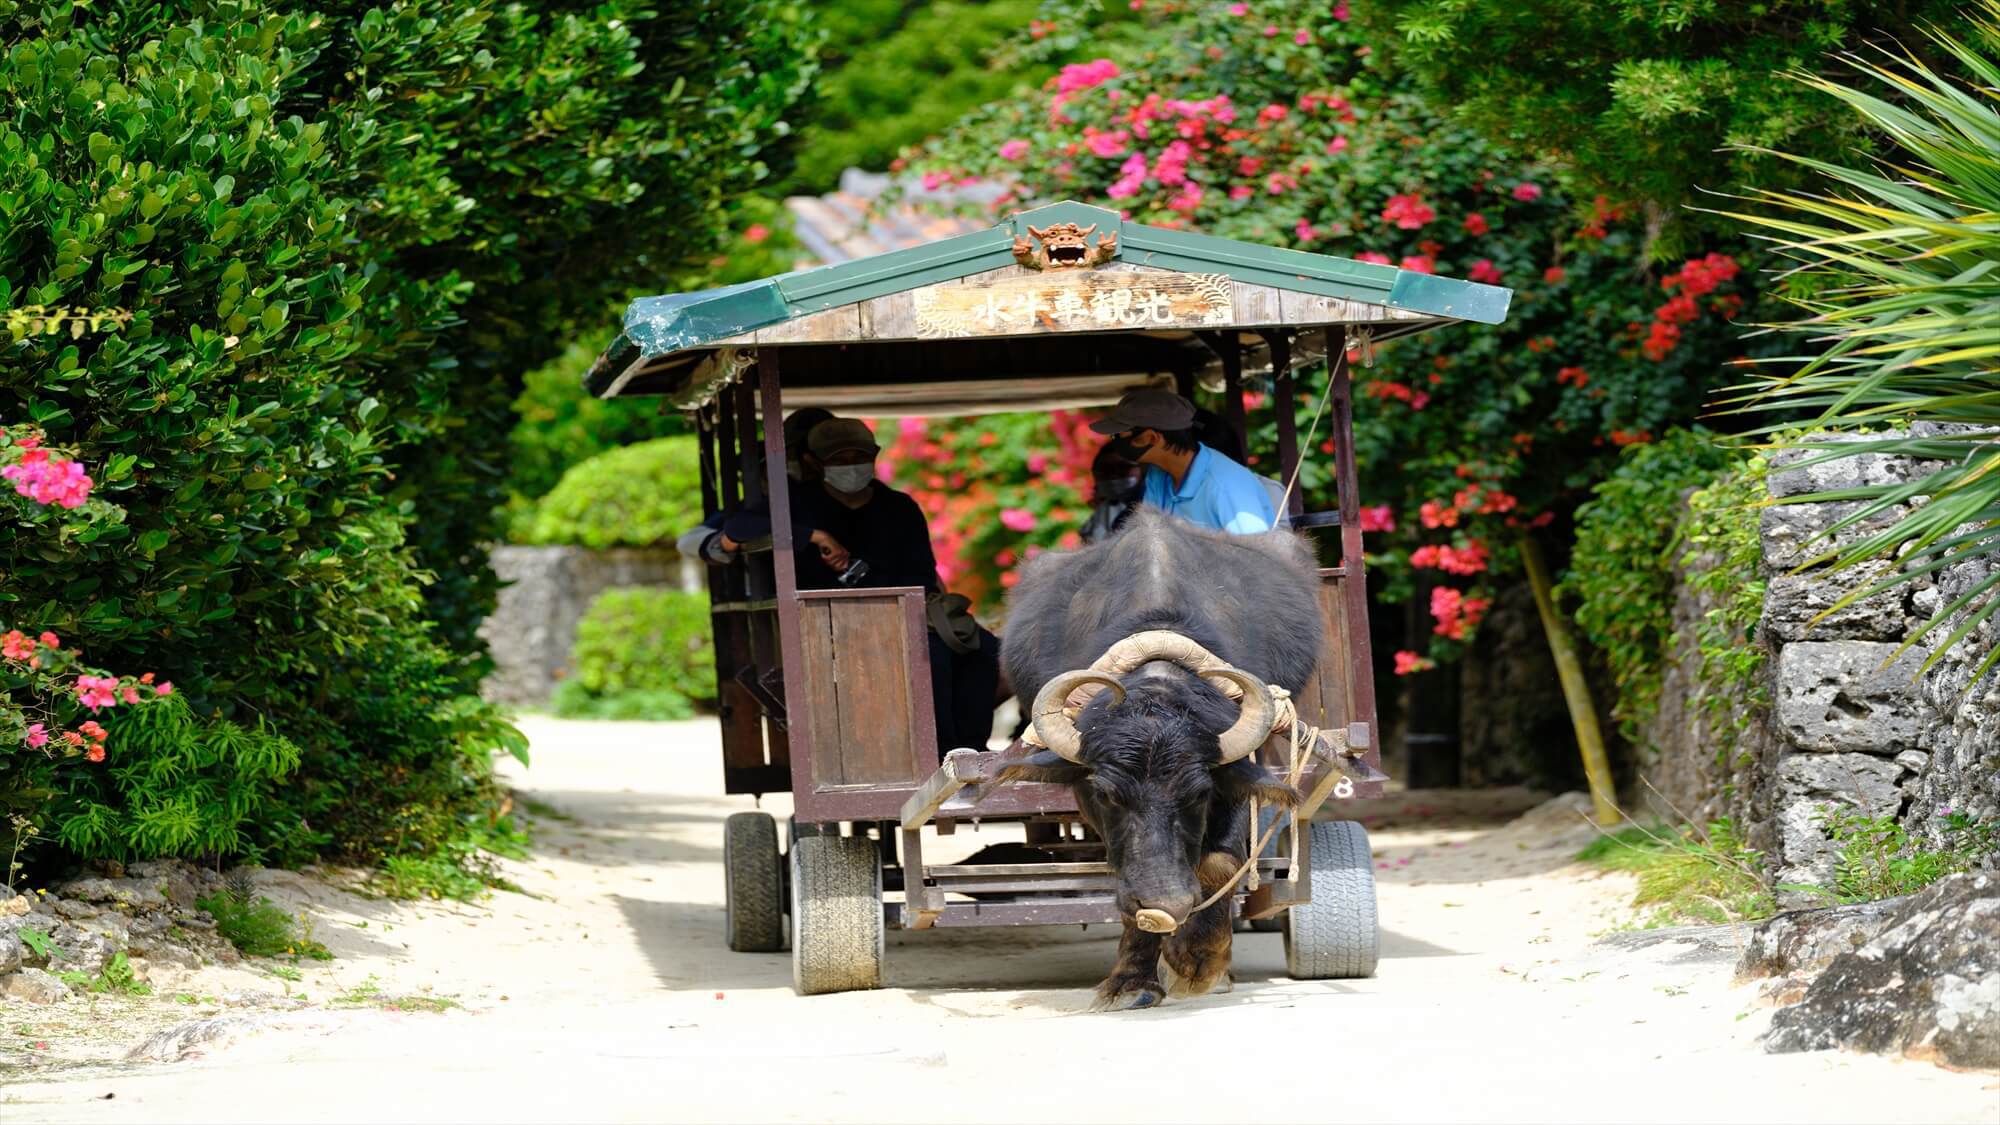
{"type": "Point", "coordinates": [1158, 756]}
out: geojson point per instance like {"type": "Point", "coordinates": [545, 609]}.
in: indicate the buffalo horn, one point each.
{"type": "Point", "coordinates": [1254, 722]}
{"type": "Point", "coordinates": [1052, 723]}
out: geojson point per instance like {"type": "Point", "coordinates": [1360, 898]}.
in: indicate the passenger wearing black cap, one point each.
{"type": "Point", "coordinates": [718, 538]}
{"type": "Point", "coordinates": [879, 537]}
{"type": "Point", "coordinates": [1184, 477]}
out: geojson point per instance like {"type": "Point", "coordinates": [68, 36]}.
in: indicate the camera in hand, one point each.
{"type": "Point", "coordinates": [855, 572]}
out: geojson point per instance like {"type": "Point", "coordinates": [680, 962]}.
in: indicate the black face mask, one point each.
{"type": "Point", "coordinates": [1120, 490]}
{"type": "Point", "coordinates": [1124, 448]}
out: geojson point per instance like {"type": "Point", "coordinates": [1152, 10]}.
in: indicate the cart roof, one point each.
{"type": "Point", "coordinates": [959, 325]}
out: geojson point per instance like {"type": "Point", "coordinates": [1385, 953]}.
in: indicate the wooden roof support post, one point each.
{"type": "Point", "coordinates": [798, 711]}
{"type": "Point", "coordinates": [1284, 402]}
{"type": "Point", "coordinates": [1230, 349]}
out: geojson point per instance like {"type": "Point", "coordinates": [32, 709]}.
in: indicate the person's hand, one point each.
{"type": "Point", "coordinates": [831, 552]}
{"type": "Point", "coordinates": [728, 544]}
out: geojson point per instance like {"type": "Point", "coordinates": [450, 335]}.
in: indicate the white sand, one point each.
{"type": "Point", "coordinates": [610, 996]}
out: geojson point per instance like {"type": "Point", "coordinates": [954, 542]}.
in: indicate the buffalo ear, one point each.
{"type": "Point", "coordinates": [1043, 765]}
{"type": "Point", "coordinates": [1246, 778]}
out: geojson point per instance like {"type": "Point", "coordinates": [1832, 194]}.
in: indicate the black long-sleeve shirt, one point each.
{"type": "Point", "coordinates": [889, 531]}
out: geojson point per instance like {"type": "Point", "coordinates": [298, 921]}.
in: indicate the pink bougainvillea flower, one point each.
{"type": "Point", "coordinates": [1017, 519]}
{"type": "Point", "coordinates": [1408, 211]}
{"type": "Point", "coordinates": [1527, 192]}
{"type": "Point", "coordinates": [38, 736]}
{"type": "Point", "coordinates": [1013, 150]}
{"type": "Point", "coordinates": [1484, 271]}
{"type": "Point", "coordinates": [934, 180]}
{"type": "Point", "coordinates": [16, 646]}
{"type": "Point", "coordinates": [1239, 9]}
{"type": "Point", "coordinates": [1475, 223]}
{"type": "Point", "coordinates": [1082, 76]}
{"type": "Point", "coordinates": [1106, 144]}
{"type": "Point", "coordinates": [1271, 31]}
{"type": "Point", "coordinates": [1378, 518]}
{"type": "Point", "coordinates": [1037, 462]}
{"type": "Point", "coordinates": [97, 692]}
{"type": "Point", "coordinates": [756, 232]}
{"type": "Point", "coordinates": [50, 640]}
{"type": "Point", "coordinates": [1305, 231]}
{"type": "Point", "coordinates": [1242, 191]}
{"type": "Point", "coordinates": [1372, 256]}
{"type": "Point", "coordinates": [1302, 37]}
{"type": "Point", "coordinates": [1336, 146]}
{"type": "Point", "coordinates": [1340, 11]}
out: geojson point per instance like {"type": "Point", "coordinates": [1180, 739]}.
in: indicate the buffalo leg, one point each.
{"type": "Point", "coordinates": [1198, 952]}
{"type": "Point", "coordinates": [1135, 980]}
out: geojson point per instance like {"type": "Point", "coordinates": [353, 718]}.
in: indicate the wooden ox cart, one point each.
{"type": "Point", "coordinates": [824, 693]}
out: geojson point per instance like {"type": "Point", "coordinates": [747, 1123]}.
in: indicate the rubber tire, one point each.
{"type": "Point", "coordinates": [753, 883]}
{"type": "Point", "coordinates": [837, 926]}
{"type": "Point", "coordinates": [1334, 937]}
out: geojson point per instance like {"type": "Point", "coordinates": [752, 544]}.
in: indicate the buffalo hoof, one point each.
{"type": "Point", "coordinates": [1128, 996]}
{"type": "Point", "coordinates": [1181, 986]}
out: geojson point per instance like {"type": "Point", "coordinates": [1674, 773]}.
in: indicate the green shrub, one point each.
{"type": "Point", "coordinates": [561, 426]}
{"type": "Point", "coordinates": [637, 496]}
{"type": "Point", "coordinates": [1620, 572]}
{"type": "Point", "coordinates": [256, 927]}
{"type": "Point", "coordinates": [340, 231]}
{"type": "Point", "coordinates": [641, 653]}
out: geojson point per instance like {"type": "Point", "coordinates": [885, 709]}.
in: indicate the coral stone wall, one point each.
{"type": "Point", "coordinates": [545, 593]}
{"type": "Point", "coordinates": [1854, 718]}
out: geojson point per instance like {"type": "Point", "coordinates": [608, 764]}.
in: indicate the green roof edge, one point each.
{"type": "Point", "coordinates": [656, 326]}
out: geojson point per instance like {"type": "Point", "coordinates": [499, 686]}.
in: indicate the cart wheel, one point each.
{"type": "Point", "coordinates": [1334, 935]}
{"type": "Point", "coordinates": [836, 914]}
{"type": "Point", "coordinates": [751, 882]}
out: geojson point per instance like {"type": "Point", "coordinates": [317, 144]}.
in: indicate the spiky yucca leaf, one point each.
{"type": "Point", "coordinates": [1898, 271]}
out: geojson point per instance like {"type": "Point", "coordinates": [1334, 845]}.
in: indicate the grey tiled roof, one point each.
{"type": "Point", "coordinates": [848, 224]}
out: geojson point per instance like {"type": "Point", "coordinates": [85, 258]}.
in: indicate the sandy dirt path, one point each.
{"type": "Point", "coordinates": [607, 994]}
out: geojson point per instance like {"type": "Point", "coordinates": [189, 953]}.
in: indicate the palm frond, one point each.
{"type": "Point", "coordinates": [1895, 272]}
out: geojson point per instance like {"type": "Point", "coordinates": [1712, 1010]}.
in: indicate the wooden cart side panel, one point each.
{"type": "Point", "coordinates": [866, 680]}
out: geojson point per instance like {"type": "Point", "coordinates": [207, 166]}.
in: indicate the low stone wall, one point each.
{"type": "Point", "coordinates": [547, 590]}
{"type": "Point", "coordinates": [1851, 720]}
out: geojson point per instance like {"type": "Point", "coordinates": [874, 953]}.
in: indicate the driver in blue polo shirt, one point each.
{"type": "Point", "coordinates": [1185, 478]}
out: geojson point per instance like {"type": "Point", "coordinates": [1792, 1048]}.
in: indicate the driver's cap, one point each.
{"type": "Point", "coordinates": [1147, 410]}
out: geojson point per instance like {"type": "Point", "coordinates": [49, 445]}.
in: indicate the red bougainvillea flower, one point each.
{"type": "Point", "coordinates": [1475, 223]}
{"type": "Point", "coordinates": [16, 646]}
{"type": "Point", "coordinates": [95, 753]}
{"type": "Point", "coordinates": [1574, 375]}
{"type": "Point", "coordinates": [1372, 256]}
{"type": "Point", "coordinates": [1484, 271]}
{"type": "Point", "coordinates": [1378, 518]}
{"type": "Point", "coordinates": [1420, 263]}
{"type": "Point", "coordinates": [1435, 515]}
{"type": "Point", "coordinates": [1526, 192]}
{"type": "Point", "coordinates": [1408, 662]}
{"type": "Point", "coordinates": [1553, 275]}
{"type": "Point", "coordinates": [50, 639]}
{"type": "Point", "coordinates": [1408, 211]}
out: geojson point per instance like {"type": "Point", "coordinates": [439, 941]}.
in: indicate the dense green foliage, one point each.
{"type": "Point", "coordinates": [1723, 554]}
{"type": "Point", "coordinates": [638, 495]}
{"type": "Point", "coordinates": [1643, 100]}
{"type": "Point", "coordinates": [257, 927]}
{"type": "Point", "coordinates": [898, 71]}
{"type": "Point", "coordinates": [1278, 127]}
{"type": "Point", "coordinates": [337, 230]}
{"type": "Point", "coordinates": [1621, 577]}
{"type": "Point", "coordinates": [560, 426]}
{"type": "Point", "coordinates": [641, 653]}
{"type": "Point", "coordinates": [1896, 266]}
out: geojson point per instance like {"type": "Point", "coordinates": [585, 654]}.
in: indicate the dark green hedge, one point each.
{"type": "Point", "coordinates": [641, 653]}
{"type": "Point", "coordinates": [642, 495]}
{"type": "Point", "coordinates": [342, 232]}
